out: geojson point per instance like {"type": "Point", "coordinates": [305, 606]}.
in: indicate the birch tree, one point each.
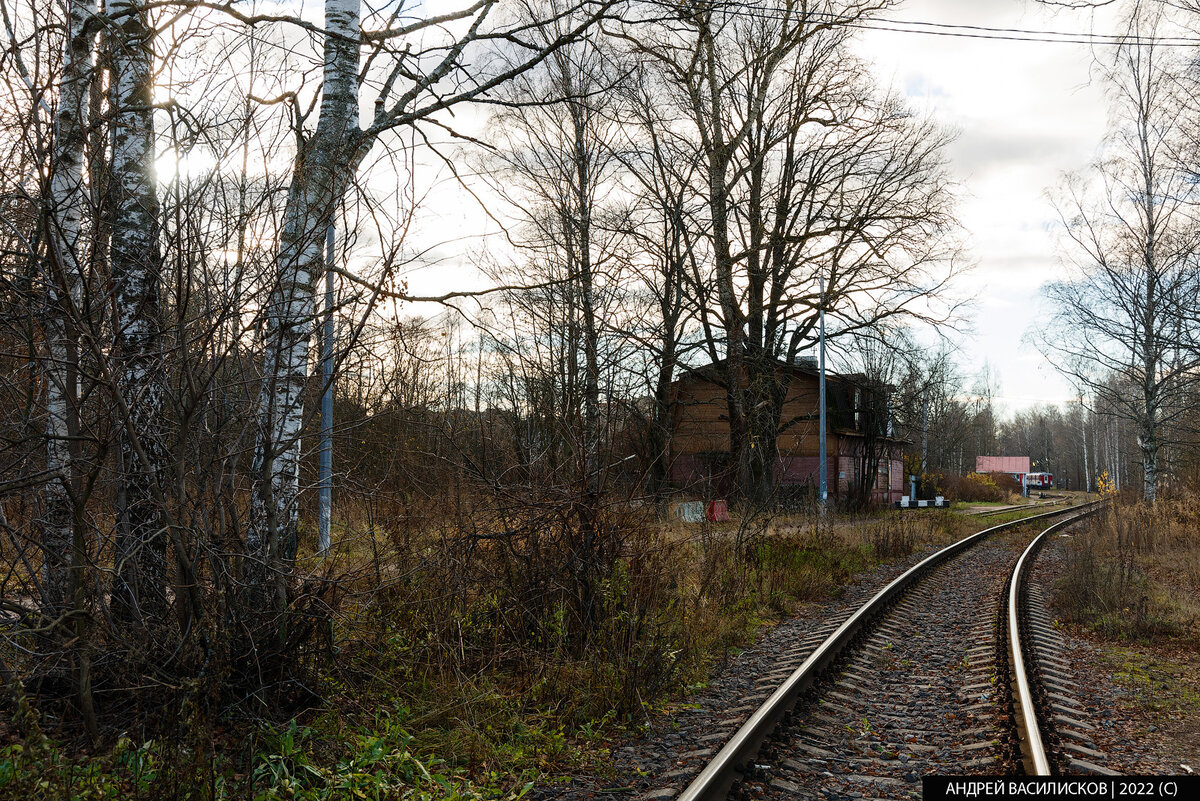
{"type": "Point", "coordinates": [62, 277]}
{"type": "Point", "coordinates": [135, 264]}
{"type": "Point", "coordinates": [417, 67]}
{"type": "Point", "coordinates": [1124, 317]}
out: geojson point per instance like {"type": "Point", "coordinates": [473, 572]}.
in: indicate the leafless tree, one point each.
{"type": "Point", "coordinates": [1124, 321]}
{"type": "Point", "coordinates": [135, 264]}
{"type": "Point", "coordinates": [876, 364]}
{"type": "Point", "coordinates": [415, 68]}
{"type": "Point", "coordinates": [948, 417]}
{"type": "Point", "coordinates": [807, 172]}
{"type": "Point", "coordinates": [66, 207]}
{"type": "Point", "coordinates": [554, 164]}
{"type": "Point", "coordinates": [664, 229]}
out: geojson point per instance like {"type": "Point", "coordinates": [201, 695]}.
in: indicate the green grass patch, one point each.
{"type": "Point", "coordinates": [1157, 683]}
{"type": "Point", "coordinates": [292, 762]}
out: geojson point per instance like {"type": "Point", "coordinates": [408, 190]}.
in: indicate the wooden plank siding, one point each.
{"type": "Point", "coordinates": [700, 444]}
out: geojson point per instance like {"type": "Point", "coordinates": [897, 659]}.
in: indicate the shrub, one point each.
{"type": "Point", "coordinates": [975, 487]}
{"type": "Point", "coordinates": [1129, 573]}
{"type": "Point", "coordinates": [503, 636]}
{"type": "Point", "coordinates": [893, 537]}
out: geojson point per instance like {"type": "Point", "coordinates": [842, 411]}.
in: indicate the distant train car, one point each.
{"type": "Point", "coordinates": [1039, 480]}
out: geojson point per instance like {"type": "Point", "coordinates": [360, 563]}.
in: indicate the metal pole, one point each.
{"type": "Point", "coordinates": [822, 457]}
{"type": "Point", "coordinates": [924, 431]}
{"type": "Point", "coordinates": [1087, 476]}
{"type": "Point", "coordinates": [325, 480]}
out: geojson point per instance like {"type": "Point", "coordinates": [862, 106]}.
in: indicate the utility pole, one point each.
{"type": "Point", "coordinates": [924, 430]}
{"type": "Point", "coordinates": [824, 467]}
{"type": "Point", "coordinates": [1087, 476]}
{"type": "Point", "coordinates": [325, 479]}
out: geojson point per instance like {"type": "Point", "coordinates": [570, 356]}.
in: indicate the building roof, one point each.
{"type": "Point", "coordinates": [714, 372]}
{"type": "Point", "coordinates": [1001, 464]}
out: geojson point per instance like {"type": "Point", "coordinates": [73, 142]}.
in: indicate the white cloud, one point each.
{"type": "Point", "coordinates": [1026, 113]}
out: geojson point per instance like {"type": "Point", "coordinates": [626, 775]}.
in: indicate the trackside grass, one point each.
{"type": "Point", "coordinates": [462, 668]}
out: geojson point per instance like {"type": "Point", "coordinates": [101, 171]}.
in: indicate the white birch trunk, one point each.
{"type": "Point", "coordinates": [135, 264]}
{"type": "Point", "coordinates": [62, 277]}
{"type": "Point", "coordinates": [1114, 456]}
{"type": "Point", "coordinates": [1148, 441]}
{"type": "Point", "coordinates": [324, 166]}
{"type": "Point", "coordinates": [1087, 475]}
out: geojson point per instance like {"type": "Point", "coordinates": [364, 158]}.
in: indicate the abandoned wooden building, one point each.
{"type": "Point", "coordinates": [861, 453]}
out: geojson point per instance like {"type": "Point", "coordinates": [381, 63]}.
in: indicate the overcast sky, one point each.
{"type": "Point", "coordinates": [1026, 112]}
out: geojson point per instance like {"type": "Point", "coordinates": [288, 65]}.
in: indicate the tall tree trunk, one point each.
{"type": "Point", "coordinates": [1149, 436]}
{"type": "Point", "coordinates": [1148, 440]}
{"type": "Point", "coordinates": [591, 361]}
{"type": "Point", "coordinates": [136, 264]}
{"type": "Point", "coordinates": [67, 199]}
{"type": "Point", "coordinates": [1087, 475]}
{"type": "Point", "coordinates": [660, 422]}
{"type": "Point", "coordinates": [717, 152]}
{"type": "Point", "coordinates": [323, 168]}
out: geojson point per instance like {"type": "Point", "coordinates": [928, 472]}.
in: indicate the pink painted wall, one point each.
{"type": "Point", "coordinates": [1001, 464]}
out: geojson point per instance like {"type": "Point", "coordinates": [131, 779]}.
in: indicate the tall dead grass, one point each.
{"type": "Point", "coordinates": [574, 615]}
{"type": "Point", "coordinates": [1134, 573]}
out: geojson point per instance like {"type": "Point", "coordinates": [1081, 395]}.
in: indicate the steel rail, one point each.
{"type": "Point", "coordinates": [1021, 507]}
{"type": "Point", "coordinates": [997, 510]}
{"type": "Point", "coordinates": [714, 781]}
{"type": "Point", "coordinates": [1028, 728]}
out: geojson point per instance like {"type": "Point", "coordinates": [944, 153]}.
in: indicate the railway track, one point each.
{"type": "Point", "coordinates": [1020, 507]}
{"type": "Point", "coordinates": [1053, 733]}
{"type": "Point", "coordinates": [913, 682]}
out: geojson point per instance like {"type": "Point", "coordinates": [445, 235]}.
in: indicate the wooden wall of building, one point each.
{"type": "Point", "coordinates": [700, 445]}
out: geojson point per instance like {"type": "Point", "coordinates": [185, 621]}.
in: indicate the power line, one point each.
{"type": "Point", "coordinates": [963, 31]}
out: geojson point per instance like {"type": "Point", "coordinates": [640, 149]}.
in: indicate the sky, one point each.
{"type": "Point", "coordinates": [1025, 113]}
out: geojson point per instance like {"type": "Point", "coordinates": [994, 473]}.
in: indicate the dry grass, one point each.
{"type": "Point", "coordinates": [478, 640]}
{"type": "Point", "coordinates": [1134, 574]}
{"type": "Point", "coordinates": [512, 637]}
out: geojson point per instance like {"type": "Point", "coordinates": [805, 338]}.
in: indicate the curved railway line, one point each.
{"type": "Point", "coordinates": [1053, 735]}
{"type": "Point", "coordinates": [914, 682]}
